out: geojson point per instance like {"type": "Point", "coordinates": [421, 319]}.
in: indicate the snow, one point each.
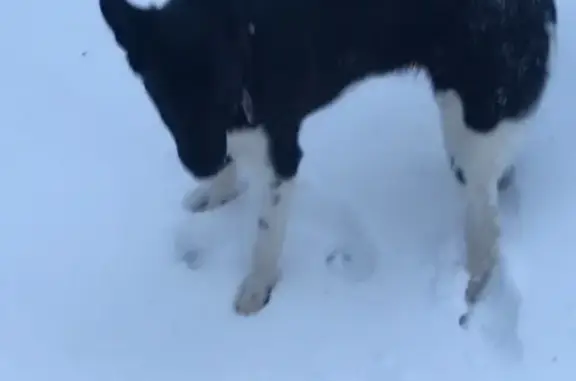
{"type": "Point", "coordinates": [92, 285]}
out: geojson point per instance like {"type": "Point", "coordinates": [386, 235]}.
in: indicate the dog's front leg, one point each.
{"type": "Point", "coordinates": [281, 165]}
{"type": "Point", "coordinates": [216, 191]}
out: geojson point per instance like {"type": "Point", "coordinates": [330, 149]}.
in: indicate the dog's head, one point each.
{"type": "Point", "coordinates": [189, 57]}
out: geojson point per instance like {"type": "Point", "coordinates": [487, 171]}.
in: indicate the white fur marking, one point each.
{"type": "Point", "coordinates": [483, 158]}
{"type": "Point", "coordinates": [251, 146]}
{"type": "Point", "coordinates": [247, 106]}
{"type": "Point", "coordinates": [486, 155]}
{"type": "Point", "coordinates": [255, 290]}
{"type": "Point", "coordinates": [248, 145]}
{"type": "Point", "coordinates": [215, 192]}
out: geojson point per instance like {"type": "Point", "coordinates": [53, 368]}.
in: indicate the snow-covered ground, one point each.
{"type": "Point", "coordinates": [92, 286]}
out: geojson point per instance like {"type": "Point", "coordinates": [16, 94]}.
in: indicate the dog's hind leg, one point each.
{"type": "Point", "coordinates": [483, 158]}
{"type": "Point", "coordinates": [452, 139]}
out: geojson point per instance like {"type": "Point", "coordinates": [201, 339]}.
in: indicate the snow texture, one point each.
{"type": "Point", "coordinates": [104, 276]}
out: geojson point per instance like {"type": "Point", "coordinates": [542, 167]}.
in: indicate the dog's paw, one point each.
{"type": "Point", "coordinates": [254, 294]}
{"type": "Point", "coordinates": [206, 198]}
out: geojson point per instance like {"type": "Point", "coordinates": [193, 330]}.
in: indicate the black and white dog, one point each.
{"type": "Point", "coordinates": [223, 71]}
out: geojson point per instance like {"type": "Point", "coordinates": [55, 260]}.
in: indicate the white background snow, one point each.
{"type": "Point", "coordinates": [92, 286]}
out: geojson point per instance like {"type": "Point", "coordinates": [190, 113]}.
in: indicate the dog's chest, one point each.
{"type": "Point", "coordinates": [247, 144]}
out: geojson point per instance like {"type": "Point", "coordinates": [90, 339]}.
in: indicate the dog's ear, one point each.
{"type": "Point", "coordinates": [131, 25]}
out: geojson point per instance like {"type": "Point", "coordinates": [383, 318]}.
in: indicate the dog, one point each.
{"type": "Point", "coordinates": [223, 71]}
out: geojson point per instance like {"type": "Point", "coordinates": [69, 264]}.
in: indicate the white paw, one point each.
{"type": "Point", "coordinates": [208, 197]}
{"type": "Point", "coordinates": [254, 293]}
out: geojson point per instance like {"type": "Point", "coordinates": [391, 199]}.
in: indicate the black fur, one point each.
{"type": "Point", "coordinates": [195, 57]}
